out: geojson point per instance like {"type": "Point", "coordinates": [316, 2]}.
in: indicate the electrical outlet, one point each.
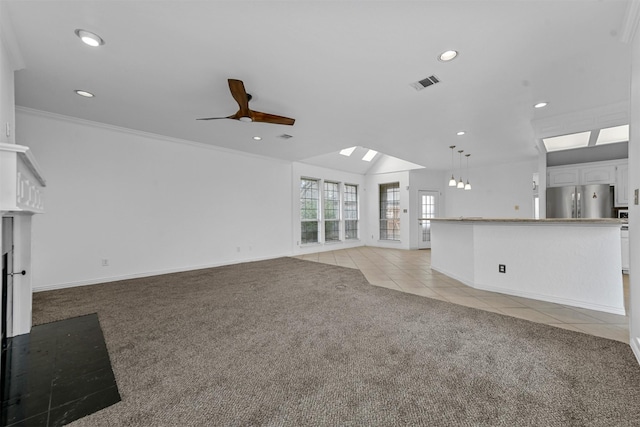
{"type": "Point", "coordinates": [635, 196]}
{"type": "Point", "coordinates": [502, 268]}
{"type": "Point", "coordinates": [238, 248]}
{"type": "Point", "coordinates": [105, 262]}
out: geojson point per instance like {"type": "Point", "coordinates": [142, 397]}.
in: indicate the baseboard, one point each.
{"type": "Point", "coordinates": [635, 347]}
{"type": "Point", "coordinates": [149, 274]}
{"type": "Point", "coordinates": [536, 296]}
{"type": "Point", "coordinates": [557, 300]}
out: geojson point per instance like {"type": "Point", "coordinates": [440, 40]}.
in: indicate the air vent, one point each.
{"type": "Point", "coordinates": [285, 136]}
{"type": "Point", "coordinates": [419, 85]}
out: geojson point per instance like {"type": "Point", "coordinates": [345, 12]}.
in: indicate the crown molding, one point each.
{"type": "Point", "coordinates": [142, 134]}
{"type": "Point", "coordinates": [580, 121]}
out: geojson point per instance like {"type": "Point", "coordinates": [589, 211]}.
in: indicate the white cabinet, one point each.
{"type": "Point", "coordinates": [622, 184]}
{"type": "Point", "coordinates": [562, 175]}
{"type": "Point", "coordinates": [624, 239]}
{"type": "Point", "coordinates": [600, 174]}
{"type": "Point", "coordinates": [607, 172]}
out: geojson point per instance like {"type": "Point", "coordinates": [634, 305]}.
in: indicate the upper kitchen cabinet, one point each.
{"type": "Point", "coordinates": [599, 174]}
{"type": "Point", "coordinates": [583, 174]}
{"type": "Point", "coordinates": [563, 175]}
{"type": "Point", "coordinates": [622, 184]}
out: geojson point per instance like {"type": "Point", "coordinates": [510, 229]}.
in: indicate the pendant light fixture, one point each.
{"type": "Point", "coordinates": [467, 186]}
{"type": "Point", "coordinates": [461, 182]}
{"type": "Point", "coordinates": [452, 181]}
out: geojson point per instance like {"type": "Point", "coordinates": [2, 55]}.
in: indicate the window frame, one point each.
{"type": "Point", "coordinates": [356, 210]}
{"type": "Point", "coordinates": [317, 219]}
{"type": "Point", "coordinates": [337, 211]}
{"type": "Point", "coordinates": [387, 205]}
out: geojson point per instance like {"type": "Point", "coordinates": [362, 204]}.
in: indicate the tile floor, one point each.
{"type": "Point", "coordinates": [410, 271]}
{"type": "Point", "coordinates": [58, 373]}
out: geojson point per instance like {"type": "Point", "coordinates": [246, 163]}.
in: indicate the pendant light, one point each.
{"type": "Point", "coordinates": [467, 186]}
{"type": "Point", "coordinates": [452, 181]}
{"type": "Point", "coordinates": [461, 182]}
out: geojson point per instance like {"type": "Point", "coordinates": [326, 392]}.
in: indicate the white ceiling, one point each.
{"type": "Point", "coordinates": [342, 69]}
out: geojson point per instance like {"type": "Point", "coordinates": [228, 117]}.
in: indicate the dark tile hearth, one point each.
{"type": "Point", "coordinates": [58, 373]}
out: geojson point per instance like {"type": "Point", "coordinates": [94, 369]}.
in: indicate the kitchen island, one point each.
{"type": "Point", "coordinates": [575, 262]}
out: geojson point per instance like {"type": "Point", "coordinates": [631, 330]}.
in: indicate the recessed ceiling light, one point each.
{"type": "Point", "coordinates": [540, 105]}
{"type": "Point", "coordinates": [347, 151]}
{"type": "Point", "coordinates": [84, 93]}
{"type": "Point", "coordinates": [370, 155]}
{"type": "Point", "coordinates": [461, 133]}
{"type": "Point", "coordinates": [257, 138]}
{"type": "Point", "coordinates": [448, 55]}
{"type": "Point", "coordinates": [89, 38]}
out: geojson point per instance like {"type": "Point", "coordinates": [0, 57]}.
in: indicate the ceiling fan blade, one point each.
{"type": "Point", "coordinates": [214, 118]}
{"type": "Point", "coordinates": [257, 116]}
{"type": "Point", "coordinates": [240, 95]}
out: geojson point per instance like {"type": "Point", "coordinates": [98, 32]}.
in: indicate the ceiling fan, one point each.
{"type": "Point", "coordinates": [245, 114]}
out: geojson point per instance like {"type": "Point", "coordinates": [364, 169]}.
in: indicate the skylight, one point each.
{"type": "Point", "coordinates": [370, 155]}
{"type": "Point", "coordinates": [614, 134]}
{"type": "Point", "coordinates": [565, 142]}
{"type": "Point", "coordinates": [347, 151]}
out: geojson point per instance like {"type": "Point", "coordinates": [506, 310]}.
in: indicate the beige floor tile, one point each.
{"type": "Point", "coordinates": [567, 315]}
{"type": "Point", "coordinates": [566, 326]}
{"type": "Point", "coordinates": [605, 331]}
{"type": "Point", "coordinates": [386, 284]}
{"type": "Point", "coordinates": [424, 292]}
{"type": "Point", "coordinates": [468, 301]}
{"type": "Point", "coordinates": [605, 317]}
{"type": "Point", "coordinates": [451, 292]}
{"type": "Point", "coordinates": [529, 314]}
{"type": "Point", "coordinates": [410, 272]}
{"type": "Point", "coordinates": [409, 283]}
{"type": "Point", "coordinates": [500, 301]}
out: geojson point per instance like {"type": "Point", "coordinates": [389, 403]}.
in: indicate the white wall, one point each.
{"type": "Point", "coordinates": [148, 204]}
{"type": "Point", "coordinates": [372, 210]}
{"type": "Point", "coordinates": [303, 170]}
{"type": "Point", "coordinates": [7, 110]}
{"type": "Point", "coordinates": [634, 209]}
{"type": "Point", "coordinates": [495, 192]}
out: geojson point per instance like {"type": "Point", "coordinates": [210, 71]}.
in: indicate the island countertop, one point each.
{"type": "Point", "coordinates": [528, 221]}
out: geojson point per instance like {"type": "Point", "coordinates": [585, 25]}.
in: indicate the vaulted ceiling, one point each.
{"type": "Point", "coordinates": [342, 69]}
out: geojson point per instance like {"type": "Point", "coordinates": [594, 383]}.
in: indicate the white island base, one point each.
{"type": "Point", "coordinates": [575, 262]}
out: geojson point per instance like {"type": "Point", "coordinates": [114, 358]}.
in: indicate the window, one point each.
{"type": "Point", "coordinates": [390, 211]}
{"type": "Point", "coordinates": [331, 211]}
{"type": "Point", "coordinates": [350, 211]}
{"type": "Point", "coordinates": [309, 209]}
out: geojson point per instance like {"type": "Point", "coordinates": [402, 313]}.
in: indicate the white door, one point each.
{"type": "Point", "coordinates": [427, 208]}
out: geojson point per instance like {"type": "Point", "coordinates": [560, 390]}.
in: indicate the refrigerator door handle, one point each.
{"type": "Point", "coordinates": [579, 204]}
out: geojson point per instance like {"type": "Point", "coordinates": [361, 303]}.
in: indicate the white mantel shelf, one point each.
{"type": "Point", "coordinates": [21, 180]}
{"type": "Point", "coordinates": [576, 262]}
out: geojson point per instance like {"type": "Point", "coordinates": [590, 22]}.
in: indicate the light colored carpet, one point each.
{"type": "Point", "coordinates": [292, 342]}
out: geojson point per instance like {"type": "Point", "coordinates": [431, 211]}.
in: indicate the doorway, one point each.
{"type": "Point", "coordinates": [427, 208]}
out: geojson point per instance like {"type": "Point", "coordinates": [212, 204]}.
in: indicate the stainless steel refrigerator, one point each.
{"type": "Point", "coordinates": [581, 201]}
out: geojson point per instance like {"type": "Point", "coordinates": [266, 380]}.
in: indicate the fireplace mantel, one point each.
{"type": "Point", "coordinates": [21, 181]}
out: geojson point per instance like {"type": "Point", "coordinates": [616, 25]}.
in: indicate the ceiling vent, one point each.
{"type": "Point", "coordinates": [285, 136]}
{"type": "Point", "coordinates": [419, 85]}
